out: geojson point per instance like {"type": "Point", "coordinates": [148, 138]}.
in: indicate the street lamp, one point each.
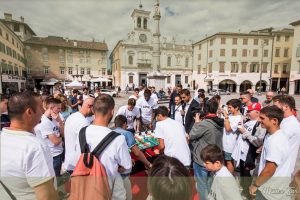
{"type": "Point", "coordinates": [261, 63]}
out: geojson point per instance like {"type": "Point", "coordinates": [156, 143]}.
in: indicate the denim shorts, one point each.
{"type": "Point", "coordinates": [227, 156]}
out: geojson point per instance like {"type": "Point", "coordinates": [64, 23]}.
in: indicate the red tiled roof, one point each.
{"type": "Point", "coordinates": [61, 42]}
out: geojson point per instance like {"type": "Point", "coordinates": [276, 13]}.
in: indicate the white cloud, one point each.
{"type": "Point", "coordinates": [186, 19]}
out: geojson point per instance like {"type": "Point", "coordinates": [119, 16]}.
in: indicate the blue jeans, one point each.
{"type": "Point", "coordinates": [57, 162]}
{"type": "Point", "coordinates": [203, 180]}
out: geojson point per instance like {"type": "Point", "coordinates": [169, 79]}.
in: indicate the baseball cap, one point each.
{"type": "Point", "coordinates": [254, 106]}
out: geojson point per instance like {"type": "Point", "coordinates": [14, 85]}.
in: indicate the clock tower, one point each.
{"type": "Point", "coordinates": [141, 24]}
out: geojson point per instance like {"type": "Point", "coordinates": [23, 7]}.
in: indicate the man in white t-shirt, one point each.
{"type": "Point", "coordinates": [274, 176]}
{"type": "Point", "coordinates": [290, 126]}
{"type": "Point", "coordinates": [73, 124]}
{"type": "Point", "coordinates": [153, 93]}
{"type": "Point", "coordinates": [171, 137]}
{"type": "Point", "coordinates": [147, 105]}
{"type": "Point", "coordinates": [115, 158]}
{"type": "Point", "coordinates": [51, 129]}
{"type": "Point", "coordinates": [132, 114]}
{"type": "Point", "coordinates": [26, 163]}
{"type": "Point", "coordinates": [135, 94]}
{"type": "Point", "coordinates": [230, 134]}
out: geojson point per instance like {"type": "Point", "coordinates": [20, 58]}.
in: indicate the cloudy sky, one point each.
{"type": "Point", "coordinates": [110, 20]}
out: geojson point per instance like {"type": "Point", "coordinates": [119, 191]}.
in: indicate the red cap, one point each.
{"type": "Point", "coordinates": [254, 106]}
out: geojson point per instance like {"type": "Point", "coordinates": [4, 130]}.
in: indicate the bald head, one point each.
{"type": "Point", "coordinates": [250, 92]}
{"type": "Point", "coordinates": [87, 106]}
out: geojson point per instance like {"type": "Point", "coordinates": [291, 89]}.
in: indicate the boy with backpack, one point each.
{"type": "Point", "coordinates": [109, 157]}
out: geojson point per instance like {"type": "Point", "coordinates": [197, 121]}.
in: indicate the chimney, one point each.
{"type": "Point", "coordinates": [75, 44]}
{"type": "Point", "coordinates": [8, 16]}
{"type": "Point", "coordinates": [22, 19]}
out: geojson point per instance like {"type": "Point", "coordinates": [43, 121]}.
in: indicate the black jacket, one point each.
{"type": "Point", "coordinates": [189, 118]}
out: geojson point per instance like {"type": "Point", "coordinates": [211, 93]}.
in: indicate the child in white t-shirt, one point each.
{"type": "Point", "coordinates": [224, 186]}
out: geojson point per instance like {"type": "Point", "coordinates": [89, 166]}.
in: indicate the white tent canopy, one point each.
{"type": "Point", "coordinates": [74, 84]}
{"type": "Point", "coordinates": [100, 79]}
{"type": "Point", "coordinates": [52, 81]}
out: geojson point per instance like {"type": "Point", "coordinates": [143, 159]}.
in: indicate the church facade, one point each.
{"type": "Point", "coordinates": [132, 58]}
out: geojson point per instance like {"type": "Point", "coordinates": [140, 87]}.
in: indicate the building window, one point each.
{"type": "Point", "coordinates": [255, 52]}
{"type": "Point", "coordinates": [13, 41]}
{"type": "Point", "coordinates": [284, 68]}
{"type": "Point", "coordinates": [210, 53]}
{"type": "Point", "coordinates": [81, 60]}
{"type": "Point", "coordinates": [222, 52]}
{"type": "Point", "coordinates": [186, 79]}
{"type": "Point", "coordinates": [255, 41]}
{"type": "Point", "coordinates": [286, 52]}
{"type": "Point", "coordinates": [0, 32]}
{"type": "Point", "coordinates": [287, 38]}
{"type": "Point", "coordinates": [28, 69]}
{"type": "Point", "coordinates": [139, 22]}
{"type": "Point", "coordinates": [61, 59]}
{"type": "Point", "coordinates": [244, 54]}
{"type": "Point", "coordinates": [253, 67]}
{"type": "Point", "coordinates": [297, 52]}
{"type": "Point", "coordinates": [298, 67]}
{"type": "Point", "coordinates": [222, 67]}
{"type": "Point", "coordinates": [16, 27]}
{"type": "Point", "coordinates": [45, 54]}
{"type": "Point", "coordinates": [223, 40]}
{"type": "Point", "coordinates": [245, 41]}
{"type": "Point", "coordinates": [277, 52]}
{"type": "Point", "coordinates": [210, 68]}
{"type": "Point", "coordinates": [199, 47]}
{"type": "Point", "coordinates": [186, 62]}
{"type": "Point", "coordinates": [234, 40]}
{"type": "Point", "coordinates": [103, 71]}
{"type": "Point", "coordinates": [145, 23]}
{"type": "Point", "coordinates": [265, 67]}
{"type": "Point", "coordinates": [204, 70]}
{"type": "Point", "coordinates": [88, 59]}
{"type": "Point", "coordinates": [199, 69]}
{"type": "Point", "coordinates": [169, 61]}
{"type": "Point", "coordinates": [70, 70]}
{"type": "Point", "coordinates": [82, 70]}
{"type": "Point", "coordinates": [62, 70]}
{"type": "Point", "coordinates": [266, 53]}
{"type": "Point", "coordinates": [16, 71]}
{"type": "Point", "coordinates": [130, 60]}
{"type": "Point", "coordinates": [234, 67]}
{"type": "Point", "coordinates": [276, 69]}
{"type": "Point", "coordinates": [278, 38]}
{"type": "Point", "coordinates": [234, 52]}
{"type": "Point", "coordinates": [199, 56]}
{"type": "Point", "coordinates": [244, 67]}
{"type": "Point", "coordinates": [266, 41]}
{"type": "Point", "coordinates": [7, 36]}
{"type": "Point", "coordinates": [46, 69]}
{"type": "Point", "coordinates": [168, 79]}
{"type": "Point", "coordinates": [130, 79]}
{"type": "Point", "coordinates": [211, 42]}
{"type": "Point", "coordinates": [88, 71]}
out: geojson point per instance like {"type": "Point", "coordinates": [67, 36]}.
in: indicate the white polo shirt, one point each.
{"type": "Point", "coordinates": [26, 162]}
{"type": "Point", "coordinates": [130, 115]}
{"type": "Point", "coordinates": [173, 134]}
{"type": "Point", "coordinates": [146, 108]}
{"type": "Point", "coordinates": [73, 125]}
{"type": "Point", "coordinates": [48, 127]}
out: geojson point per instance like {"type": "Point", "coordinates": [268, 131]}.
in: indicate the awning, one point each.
{"type": "Point", "coordinates": [52, 81]}
{"type": "Point", "coordinates": [74, 84]}
{"type": "Point", "coordinates": [100, 79]}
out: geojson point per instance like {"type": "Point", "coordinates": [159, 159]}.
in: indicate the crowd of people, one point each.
{"type": "Point", "coordinates": [244, 149]}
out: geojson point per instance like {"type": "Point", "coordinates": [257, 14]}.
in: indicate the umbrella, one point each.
{"type": "Point", "coordinates": [74, 84]}
{"type": "Point", "coordinates": [100, 79]}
